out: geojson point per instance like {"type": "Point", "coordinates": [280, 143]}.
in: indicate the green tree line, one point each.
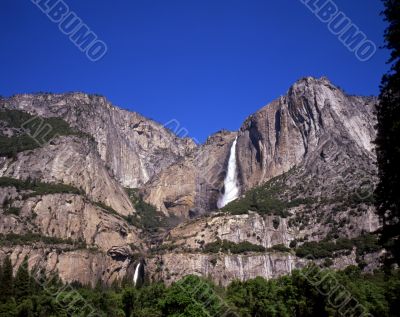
{"type": "Point", "coordinates": [307, 292]}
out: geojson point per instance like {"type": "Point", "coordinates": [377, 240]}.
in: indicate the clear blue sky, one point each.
{"type": "Point", "coordinates": [206, 63]}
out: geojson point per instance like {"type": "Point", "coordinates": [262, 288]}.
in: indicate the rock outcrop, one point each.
{"type": "Point", "coordinates": [72, 217]}
{"type": "Point", "coordinates": [87, 267]}
{"type": "Point", "coordinates": [223, 269]}
{"type": "Point", "coordinates": [249, 227]}
{"type": "Point", "coordinates": [73, 161]}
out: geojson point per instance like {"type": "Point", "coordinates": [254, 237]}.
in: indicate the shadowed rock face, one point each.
{"type": "Point", "coordinates": [315, 142]}
{"type": "Point", "coordinates": [191, 186]}
{"type": "Point", "coordinates": [314, 117]}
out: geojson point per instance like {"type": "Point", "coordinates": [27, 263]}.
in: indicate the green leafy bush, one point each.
{"type": "Point", "coordinates": [33, 131]}
{"type": "Point", "coordinates": [38, 188]}
{"type": "Point", "coordinates": [147, 216]}
{"type": "Point", "coordinates": [11, 239]}
{"type": "Point", "coordinates": [279, 248]}
{"type": "Point", "coordinates": [265, 199]}
{"type": "Point", "coordinates": [10, 210]}
{"type": "Point", "coordinates": [235, 248]}
{"type": "Point", "coordinates": [364, 244]}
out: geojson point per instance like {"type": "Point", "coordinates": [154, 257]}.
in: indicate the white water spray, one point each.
{"type": "Point", "coordinates": [231, 189]}
{"type": "Point", "coordinates": [136, 275]}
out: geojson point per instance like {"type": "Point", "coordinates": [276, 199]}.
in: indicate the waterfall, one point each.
{"type": "Point", "coordinates": [231, 189]}
{"type": "Point", "coordinates": [136, 275]}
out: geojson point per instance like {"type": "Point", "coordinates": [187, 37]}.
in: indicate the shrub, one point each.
{"type": "Point", "coordinates": [364, 244]}
{"type": "Point", "coordinates": [235, 248]}
{"type": "Point", "coordinates": [265, 199]}
{"type": "Point", "coordinates": [43, 130]}
{"type": "Point", "coordinates": [279, 248]}
{"type": "Point", "coordinates": [38, 188]}
{"type": "Point", "coordinates": [275, 223]}
{"type": "Point", "coordinates": [147, 216]}
{"type": "Point", "coordinates": [12, 211]}
{"type": "Point", "coordinates": [11, 239]}
{"type": "Point", "coordinates": [328, 262]}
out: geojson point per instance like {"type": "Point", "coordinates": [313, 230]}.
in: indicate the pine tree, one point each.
{"type": "Point", "coordinates": [388, 138]}
{"type": "Point", "coordinates": [22, 281]}
{"type": "Point", "coordinates": [6, 282]}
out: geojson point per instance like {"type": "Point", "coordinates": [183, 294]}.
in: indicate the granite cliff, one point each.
{"type": "Point", "coordinates": [79, 204]}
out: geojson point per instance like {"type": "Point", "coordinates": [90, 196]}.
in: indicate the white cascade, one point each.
{"type": "Point", "coordinates": [136, 275]}
{"type": "Point", "coordinates": [231, 189]}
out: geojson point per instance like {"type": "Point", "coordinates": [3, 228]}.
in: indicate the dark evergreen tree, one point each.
{"type": "Point", "coordinates": [388, 139]}
{"type": "Point", "coordinates": [22, 281]}
{"type": "Point", "coordinates": [6, 282]}
{"type": "Point", "coordinates": [25, 309]}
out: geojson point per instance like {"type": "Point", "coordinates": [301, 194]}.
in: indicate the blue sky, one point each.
{"type": "Point", "coordinates": [205, 63]}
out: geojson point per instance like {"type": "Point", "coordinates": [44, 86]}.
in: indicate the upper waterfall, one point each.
{"type": "Point", "coordinates": [231, 189]}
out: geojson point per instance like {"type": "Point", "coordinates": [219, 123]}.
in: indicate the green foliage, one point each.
{"type": "Point", "coordinates": [279, 248]}
{"type": "Point", "coordinates": [22, 281]}
{"type": "Point", "coordinates": [388, 138]}
{"type": "Point", "coordinates": [10, 210]}
{"type": "Point", "coordinates": [8, 308]}
{"type": "Point", "coordinates": [296, 295]}
{"type": "Point", "coordinates": [366, 243]}
{"type": "Point", "coordinates": [287, 296]}
{"type": "Point", "coordinates": [38, 188]}
{"type": "Point", "coordinates": [235, 248]}
{"type": "Point", "coordinates": [106, 208]}
{"type": "Point", "coordinates": [12, 239]}
{"type": "Point", "coordinates": [193, 296]}
{"type": "Point", "coordinates": [328, 262]}
{"type": "Point", "coordinates": [147, 216]}
{"type": "Point", "coordinates": [6, 282]}
{"type": "Point", "coordinates": [33, 131]}
{"type": "Point", "coordinates": [265, 199]}
{"type": "Point", "coordinates": [275, 223]}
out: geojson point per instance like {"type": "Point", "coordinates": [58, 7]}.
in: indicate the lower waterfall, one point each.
{"type": "Point", "coordinates": [136, 275]}
{"type": "Point", "coordinates": [231, 189]}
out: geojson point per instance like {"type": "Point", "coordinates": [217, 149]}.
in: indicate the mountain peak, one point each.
{"type": "Point", "coordinates": [310, 81]}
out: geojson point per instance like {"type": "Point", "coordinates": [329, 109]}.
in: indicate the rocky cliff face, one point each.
{"type": "Point", "coordinates": [70, 265]}
{"type": "Point", "coordinates": [223, 269]}
{"type": "Point", "coordinates": [191, 186]}
{"type": "Point", "coordinates": [316, 128]}
{"type": "Point", "coordinates": [314, 119]}
{"type": "Point", "coordinates": [132, 146]}
{"type": "Point", "coordinates": [312, 155]}
{"type": "Point", "coordinates": [73, 161]}
{"type": "Point", "coordinates": [68, 217]}
{"type": "Point", "coordinates": [249, 227]}
{"type": "Point", "coordinates": [305, 168]}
